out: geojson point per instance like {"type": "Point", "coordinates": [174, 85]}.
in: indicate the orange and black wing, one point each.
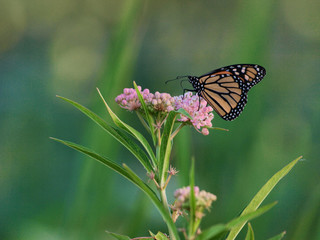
{"type": "Point", "coordinates": [226, 89]}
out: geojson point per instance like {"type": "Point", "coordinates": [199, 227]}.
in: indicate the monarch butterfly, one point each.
{"type": "Point", "coordinates": [225, 89]}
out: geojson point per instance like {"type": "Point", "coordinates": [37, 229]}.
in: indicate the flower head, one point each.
{"type": "Point", "coordinates": [163, 103]}
{"type": "Point", "coordinates": [129, 98]}
{"type": "Point", "coordinates": [203, 200]}
{"type": "Point", "coordinates": [158, 102]}
{"type": "Point", "coordinates": [201, 116]}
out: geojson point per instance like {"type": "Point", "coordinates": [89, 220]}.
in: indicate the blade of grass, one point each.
{"type": "Point", "coordinates": [262, 194]}
{"type": "Point", "coordinates": [130, 130]}
{"type": "Point", "coordinates": [118, 135]}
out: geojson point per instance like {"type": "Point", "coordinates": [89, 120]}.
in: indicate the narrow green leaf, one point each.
{"type": "Point", "coordinates": [116, 133]}
{"type": "Point", "coordinates": [130, 130]}
{"type": "Point", "coordinates": [192, 201]}
{"type": "Point", "coordinates": [152, 234]}
{"type": "Point", "coordinates": [243, 218]}
{"type": "Point", "coordinates": [218, 128]}
{"type": "Point", "coordinates": [147, 113]}
{"type": "Point", "coordinates": [130, 175]}
{"type": "Point", "coordinates": [218, 229]}
{"type": "Point", "coordinates": [262, 194]}
{"type": "Point", "coordinates": [126, 172]}
{"type": "Point", "coordinates": [278, 237]}
{"type": "Point", "coordinates": [250, 234]}
{"type": "Point", "coordinates": [118, 236]}
{"type": "Point", "coordinates": [213, 231]}
{"type": "Point", "coordinates": [114, 166]}
{"type": "Point", "coordinates": [161, 236]}
{"type": "Point", "coordinates": [165, 148]}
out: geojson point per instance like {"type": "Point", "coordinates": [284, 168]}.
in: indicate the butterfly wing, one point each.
{"type": "Point", "coordinates": [251, 73]}
{"type": "Point", "coordinates": [226, 89]}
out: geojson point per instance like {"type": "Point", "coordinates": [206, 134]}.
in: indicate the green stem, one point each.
{"type": "Point", "coordinates": [159, 137]}
{"type": "Point", "coordinates": [164, 201]}
{"type": "Point", "coordinates": [165, 166]}
{"type": "Point", "coordinates": [196, 226]}
{"type": "Point", "coordinates": [176, 131]}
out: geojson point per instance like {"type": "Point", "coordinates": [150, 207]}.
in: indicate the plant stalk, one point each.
{"type": "Point", "coordinates": [164, 201]}
{"type": "Point", "coordinates": [176, 131]}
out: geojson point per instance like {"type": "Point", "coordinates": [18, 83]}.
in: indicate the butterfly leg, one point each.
{"type": "Point", "coordinates": [190, 90]}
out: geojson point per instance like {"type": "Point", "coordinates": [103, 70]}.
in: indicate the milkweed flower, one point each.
{"type": "Point", "coordinates": [203, 200]}
{"type": "Point", "coordinates": [201, 116]}
{"type": "Point", "coordinates": [129, 98]}
{"type": "Point", "coordinates": [164, 103]}
{"type": "Point", "coordinates": [158, 102]}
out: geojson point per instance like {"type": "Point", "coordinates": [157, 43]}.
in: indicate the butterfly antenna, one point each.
{"type": "Point", "coordinates": [182, 82]}
{"type": "Point", "coordinates": [175, 79]}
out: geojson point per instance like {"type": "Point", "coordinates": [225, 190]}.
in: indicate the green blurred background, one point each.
{"type": "Point", "coordinates": [69, 47]}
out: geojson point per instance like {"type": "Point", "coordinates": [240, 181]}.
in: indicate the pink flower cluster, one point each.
{"type": "Point", "coordinates": [129, 98]}
{"type": "Point", "coordinates": [164, 102]}
{"type": "Point", "coordinates": [203, 200]}
{"type": "Point", "coordinates": [200, 118]}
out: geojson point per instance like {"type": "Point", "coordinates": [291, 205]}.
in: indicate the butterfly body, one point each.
{"type": "Point", "coordinates": [226, 89]}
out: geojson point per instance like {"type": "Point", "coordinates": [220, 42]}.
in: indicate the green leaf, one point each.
{"type": "Point", "coordinates": [278, 237]}
{"type": "Point", "coordinates": [192, 201]}
{"type": "Point", "coordinates": [219, 229]}
{"type": "Point", "coordinates": [262, 194]}
{"type": "Point", "coordinates": [147, 114]}
{"type": "Point", "coordinates": [130, 175]}
{"type": "Point", "coordinates": [250, 234]}
{"type": "Point", "coordinates": [116, 133]}
{"type": "Point", "coordinates": [184, 112]}
{"type": "Point", "coordinates": [165, 147]}
{"type": "Point", "coordinates": [152, 234]}
{"type": "Point", "coordinates": [130, 130]}
{"type": "Point", "coordinates": [161, 236]}
{"type": "Point", "coordinates": [248, 216]}
{"type": "Point", "coordinates": [114, 166]}
{"type": "Point", "coordinates": [118, 236]}
{"type": "Point", "coordinates": [213, 231]}
{"type": "Point", "coordinates": [218, 128]}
